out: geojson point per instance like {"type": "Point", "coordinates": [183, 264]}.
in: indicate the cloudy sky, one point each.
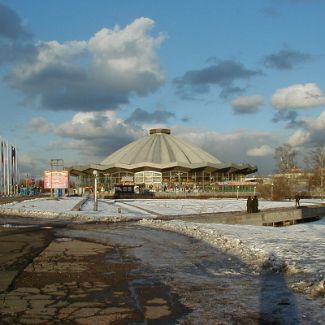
{"type": "Point", "coordinates": [80, 79]}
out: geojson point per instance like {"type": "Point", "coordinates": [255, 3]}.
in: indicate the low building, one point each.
{"type": "Point", "coordinates": [162, 162]}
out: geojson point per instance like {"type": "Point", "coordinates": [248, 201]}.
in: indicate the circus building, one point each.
{"type": "Point", "coordinates": [162, 162]}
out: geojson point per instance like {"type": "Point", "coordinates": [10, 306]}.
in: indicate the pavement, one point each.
{"type": "Point", "coordinates": [67, 272]}
{"type": "Point", "coordinates": [49, 279]}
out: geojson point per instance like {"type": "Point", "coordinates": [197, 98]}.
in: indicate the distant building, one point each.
{"type": "Point", "coordinates": [162, 162]}
{"type": "Point", "coordinates": [286, 184]}
{"type": "Point", "coordinates": [311, 183]}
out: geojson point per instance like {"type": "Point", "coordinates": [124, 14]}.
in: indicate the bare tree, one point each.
{"type": "Point", "coordinates": [316, 159]}
{"type": "Point", "coordinates": [307, 163]}
{"type": "Point", "coordinates": [285, 157]}
{"type": "Point", "coordinates": [282, 189]}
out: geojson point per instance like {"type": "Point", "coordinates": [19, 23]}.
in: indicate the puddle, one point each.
{"type": "Point", "coordinates": [22, 226]}
{"type": "Point", "coordinates": [11, 225]}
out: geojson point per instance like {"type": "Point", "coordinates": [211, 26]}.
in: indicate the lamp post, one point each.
{"type": "Point", "coordinates": [95, 173]}
{"type": "Point", "coordinates": [322, 176]}
{"type": "Point", "coordinates": [237, 191]}
{"type": "Point", "coordinates": [179, 174]}
{"type": "Point", "coordinates": [272, 191]}
{"type": "Point", "coordinates": [51, 179]}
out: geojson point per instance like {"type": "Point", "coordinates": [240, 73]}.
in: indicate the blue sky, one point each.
{"type": "Point", "coordinates": [80, 79]}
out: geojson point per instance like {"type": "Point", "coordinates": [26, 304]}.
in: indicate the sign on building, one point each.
{"type": "Point", "coordinates": [56, 179]}
{"type": "Point", "coordinates": [126, 179]}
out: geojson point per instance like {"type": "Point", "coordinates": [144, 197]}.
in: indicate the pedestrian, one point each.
{"type": "Point", "coordinates": [297, 198]}
{"type": "Point", "coordinates": [249, 205]}
{"type": "Point", "coordinates": [255, 204]}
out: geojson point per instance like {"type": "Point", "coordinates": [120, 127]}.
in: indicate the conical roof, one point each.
{"type": "Point", "coordinates": [160, 150]}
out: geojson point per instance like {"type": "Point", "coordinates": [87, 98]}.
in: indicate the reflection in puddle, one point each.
{"type": "Point", "coordinates": [20, 226]}
{"type": "Point", "coordinates": [11, 225]}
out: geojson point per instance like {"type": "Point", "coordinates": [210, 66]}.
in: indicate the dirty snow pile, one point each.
{"type": "Point", "coordinates": [294, 249]}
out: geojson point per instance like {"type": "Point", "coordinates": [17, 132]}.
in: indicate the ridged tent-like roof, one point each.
{"type": "Point", "coordinates": [161, 151]}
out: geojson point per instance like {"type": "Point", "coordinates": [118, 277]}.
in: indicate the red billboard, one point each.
{"type": "Point", "coordinates": [56, 179]}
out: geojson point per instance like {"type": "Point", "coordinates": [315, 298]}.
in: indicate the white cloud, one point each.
{"type": "Point", "coordinates": [264, 150]}
{"type": "Point", "coordinates": [95, 135]}
{"type": "Point", "coordinates": [87, 137]}
{"type": "Point", "coordinates": [232, 147]}
{"type": "Point", "coordinates": [299, 138]}
{"type": "Point", "coordinates": [127, 50]}
{"type": "Point", "coordinates": [298, 96]}
{"type": "Point", "coordinates": [246, 104]}
{"type": "Point", "coordinates": [247, 101]}
{"type": "Point", "coordinates": [91, 125]}
{"type": "Point", "coordinates": [40, 125]}
{"type": "Point", "coordinates": [95, 74]}
{"type": "Point", "coordinates": [316, 123]}
{"type": "Point", "coordinates": [311, 134]}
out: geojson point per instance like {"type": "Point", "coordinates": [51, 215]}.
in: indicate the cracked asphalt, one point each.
{"type": "Point", "coordinates": [97, 273]}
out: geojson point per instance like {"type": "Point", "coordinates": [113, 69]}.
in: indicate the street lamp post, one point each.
{"type": "Point", "coordinates": [51, 179]}
{"type": "Point", "coordinates": [237, 191]}
{"type": "Point", "coordinates": [272, 191]}
{"type": "Point", "coordinates": [179, 174]}
{"type": "Point", "coordinates": [95, 173]}
{"type": "Point", "coordinates": [321, 176]}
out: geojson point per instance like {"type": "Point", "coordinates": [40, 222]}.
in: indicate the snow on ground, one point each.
{"type": "Point", "coordinates": [195, 206]}
{"type": "Point", "coordinates": [136, 209]}
{"type": "Point", "coordinates": [298, 248]}
{"type": "Point", "coordinates": [108, 210]}
{"type": "Point", "coordinates": [40, 207]}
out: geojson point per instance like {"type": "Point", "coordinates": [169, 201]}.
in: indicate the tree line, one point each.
{"type": "Point", "coordinates": [290, 178]}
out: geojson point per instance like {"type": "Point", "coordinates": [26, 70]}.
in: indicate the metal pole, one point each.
{"type": "Point", "coordinates": [95, 173]}
{"type": "Point", "coordinates": [8, 170]}
{"type": "Point", "coordinates": [203, 184]}
{"type": "Point", "coordinates": [321, 173]}
{"type": "Point", "coordinates": [51, 180]}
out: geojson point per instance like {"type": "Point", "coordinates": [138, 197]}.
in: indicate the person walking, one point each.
{"type": "Point", "coordinates": [297, 198]}
{"type": "Point", "coordinates": [255, 204]}
{"type": "Point", "coordinates": [249, 205]}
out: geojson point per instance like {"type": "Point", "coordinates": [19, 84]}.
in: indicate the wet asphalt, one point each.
{"type": "Point", "coordinates": [56, 272]}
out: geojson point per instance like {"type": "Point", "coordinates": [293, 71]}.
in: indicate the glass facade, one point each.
{"type": "Point", "coordinates": [174, 180]}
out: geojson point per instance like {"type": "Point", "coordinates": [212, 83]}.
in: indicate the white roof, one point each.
{"type": "Point", "coordinates": [161, 149]}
